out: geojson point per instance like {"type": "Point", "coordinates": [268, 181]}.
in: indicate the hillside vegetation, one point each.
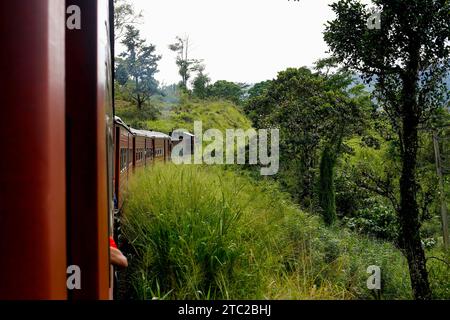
{"type": "Point", "coordinates": [210, 233]}
{"type": "Point", "coordinates": [363, 141]}
{"type": "Point", "coordinates": [224, 233]}
{"type": "Point", "coordinates": [181, 114]}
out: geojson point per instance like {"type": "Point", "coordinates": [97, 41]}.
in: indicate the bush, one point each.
{"type": "Point", "coordinates": [439, 273]}
{"type": "Point", "coordinates": [136, 117]}
{"type": "Point", "coordinates": [376, 220]}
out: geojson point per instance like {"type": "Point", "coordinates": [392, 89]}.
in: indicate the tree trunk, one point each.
{"type": "Point", "coordinates": [139, 102]}
{"type": "Point", "coordinates": [439, 169]}
{"type": "Point", "coordinates": [138, 99]}
{"type": "Point", "coordinates": [327, 197]}
{"type": "Point", "coordinates": [409, 212]}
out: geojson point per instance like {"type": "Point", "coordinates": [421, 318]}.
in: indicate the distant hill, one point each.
{"type": "Point", "coordinates": [370, 87]}
{"type": "Point", "coordinates": [216, 114]}
{"type": "Point", "coordinates": [220, 115]}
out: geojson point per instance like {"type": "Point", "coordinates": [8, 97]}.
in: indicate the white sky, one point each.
{"type": "Point", "coordinates": [239, 40]}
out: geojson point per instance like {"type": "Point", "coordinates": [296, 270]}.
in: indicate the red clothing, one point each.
{"type": "Point", "coordinates": [112, 243]}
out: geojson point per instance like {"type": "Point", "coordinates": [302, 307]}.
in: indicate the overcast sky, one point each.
{"type": "Point", "coordinates": [239, 40]}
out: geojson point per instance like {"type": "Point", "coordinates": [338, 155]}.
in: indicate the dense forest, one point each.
{"type": "Point", "coordinates": [364, 167]}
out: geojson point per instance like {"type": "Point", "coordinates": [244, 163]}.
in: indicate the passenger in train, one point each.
{"type": "Point", "coordinates": [117, 257]}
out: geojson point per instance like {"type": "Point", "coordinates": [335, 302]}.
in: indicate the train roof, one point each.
{"type": "Point", "coordinates": [150, 134]}
{"type": "Point", "coordinates": [158, 134]}
{"type": "Point", "coordinates": [142, 133]}
{"type": "Point", "coordinates": [184, 133]}
{"type": "Point", "coordinates": [181, 133]}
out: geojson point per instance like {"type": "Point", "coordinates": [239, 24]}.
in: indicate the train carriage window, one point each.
{"type": "Point", "coordinates": [149, 153]}
{"type": "Point", "coordinates": [139, 155]}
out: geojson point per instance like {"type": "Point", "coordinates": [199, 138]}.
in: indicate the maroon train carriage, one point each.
{"type": "Point", "coordinates": [135, 149]}
{"type": "Point", "coordinates": [123, 138]}
{"type": "Point", "coordinates": [159, 144]}
{"type": "Point", "coordinates": [149, 150]}
{"type": "Point", "coordinates": [32, 193]}
{"type": "Point", "coordinates": [59, 210]}
{"type": "Point", "coordinates": [139, 151]}
{"type": "Point", "coordinates": [56, 212]}
{"type": "Point", "coordinates": [90, 145]}
{"type": "Point", "coordinates": [162, 146]}
{"type": "Point", "coordinates": [139, 148]}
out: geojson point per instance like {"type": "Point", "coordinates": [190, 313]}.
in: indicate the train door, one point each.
{"type": "Point", "coordinates": [90, 115]}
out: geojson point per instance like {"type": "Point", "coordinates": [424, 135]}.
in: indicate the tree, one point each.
{"type": "Point", "coordinates": [139, 64]}
{"type": "Point", "coordinates": [258, 89]}
{"type": "Point", "coordinates": [256, 102]}
{"type": "Point", "coordinates": [185, 65]}
{"type": "Point", "coordinates": [124, 15]}
{"type": "Point", "coordinates": [327, 191]}
{"type": "Point", "coordinates": [200, 83]}
{"type": "Point", "coordinates": [313, 111]}
{"type": "Point", "coordinates": [343, 114]}
{"type": "Point", "coordinates": [288, 103]}
{"type": "Point", "coordinates": [121, 73]}
{"type": "Point", "coordinates": [226, 90]}
{"type": "Point", "coordinates": [407, 58]}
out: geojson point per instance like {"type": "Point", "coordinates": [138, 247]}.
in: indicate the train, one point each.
{"type": "Point", "coordinates": [66, 158]}
{"type": "Point", "coordinates": [135, 149]}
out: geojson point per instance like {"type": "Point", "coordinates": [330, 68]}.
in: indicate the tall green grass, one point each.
{"type": "Point", "coordinates": [197, 232]}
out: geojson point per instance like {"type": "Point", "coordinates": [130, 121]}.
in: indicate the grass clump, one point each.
{"type": "Point", "coordinates": [198, 232]}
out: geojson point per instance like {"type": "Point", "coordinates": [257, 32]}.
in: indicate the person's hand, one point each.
{"type": "Point", "coordinates": [117, 258]}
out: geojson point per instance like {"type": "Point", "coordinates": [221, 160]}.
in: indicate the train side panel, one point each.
{"type": "Point", "coordinates": [90, 135]}
{"type": "Point", "coordinates": [159, 150]}
{"type": "Point", "coordinates": [121, 164]}
{"type": "Point", "coordinates": [149, 151]}
{"type": "Point", "coordinates": [130, 158]}
{"type": "Point", "coordinates": [139, 155]}
{"type": "Point", "coordinates": [33, 194]}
